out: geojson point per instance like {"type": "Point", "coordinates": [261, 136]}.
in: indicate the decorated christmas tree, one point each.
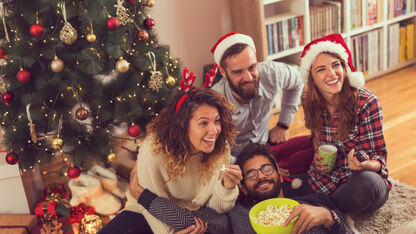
{"type": "Point", "coordinates": [72, 71]}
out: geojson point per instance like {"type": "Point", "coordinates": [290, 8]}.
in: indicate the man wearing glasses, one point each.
{"type": "Point", "coordinates": [316, 214]}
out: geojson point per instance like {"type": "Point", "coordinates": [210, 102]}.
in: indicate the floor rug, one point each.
{"type": "Point", "coordinates": [400, 208]}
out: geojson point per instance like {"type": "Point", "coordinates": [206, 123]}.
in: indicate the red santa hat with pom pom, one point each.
{"type": "Point", "coordinates": [335, 44]}
{"type": "Point", "coordinates": [227, 41]}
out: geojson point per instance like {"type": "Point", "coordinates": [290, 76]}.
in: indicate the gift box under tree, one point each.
{"type": "Point", "coordinates": [24, 189]}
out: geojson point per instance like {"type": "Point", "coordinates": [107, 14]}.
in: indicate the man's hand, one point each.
{"type": "Point", "coordinates": [284, 172]}
{"type": "Point", "coordinates": [134, 187]}
{"type": "Point", "coordinates": [200, 227]}
{"type": "Point", "coordinates": [232, 176]}
{"type": "Point", "coordinates": [278, 135]}
{"type": "Point", "coordinates": [308, 217]}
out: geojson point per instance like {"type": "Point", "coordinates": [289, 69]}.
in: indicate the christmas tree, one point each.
{"type": "Point", "coordinates": [72, 71]}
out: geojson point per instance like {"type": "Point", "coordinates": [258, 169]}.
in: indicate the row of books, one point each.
{"type": "Point", "coordinates": [365, 12]}
{"type": "Point", "coordinates": [401, 43]}
{"type": "Point", "coordinates": [325, 18]}
{"type": "Point", "coordinates": [366, 52]}
{"type": "Point", "coordinates": [399, 7]}
{"type": "Point", "coordinates": [284, 33]}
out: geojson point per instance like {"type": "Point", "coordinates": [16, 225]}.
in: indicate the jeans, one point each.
{"type": "Point", "coordinates": [364, 192]}
{"type": "Point", "coordinates": [127, 222]}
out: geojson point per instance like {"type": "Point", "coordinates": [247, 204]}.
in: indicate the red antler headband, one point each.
{"type": "Point", "coordinates": [188, 81]}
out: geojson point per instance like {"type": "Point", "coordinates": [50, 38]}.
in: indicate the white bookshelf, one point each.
{"type": "Point", "coordinates": [252, 16]}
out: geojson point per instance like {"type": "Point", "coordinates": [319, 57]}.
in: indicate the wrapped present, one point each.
{"type": "Point", "coordinates": [17, 224]}
{"type": "Point", "coordinates": [125, 148]}
{"type": "Point", "coordinates": [51, 208]}
{"type": "Point", "coordinates": [60, 225]}
{"type": "Point", "coordinates": [24, 189]}
{"type": "Point", "coordinates": [53, 190]}
{"type": "Point", "coordinates": [78, 212]}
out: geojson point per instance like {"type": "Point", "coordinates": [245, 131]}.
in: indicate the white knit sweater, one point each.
{"type": "Point", "coordinates": [188, 190]}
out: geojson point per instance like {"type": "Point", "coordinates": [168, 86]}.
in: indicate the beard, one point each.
{"type": "Point", "coordinates": [244, 93]}
{"type": "Point", "coordinates": [257, 196]}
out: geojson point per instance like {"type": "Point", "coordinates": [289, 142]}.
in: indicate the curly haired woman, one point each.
{"type": "Point", "coordinates": [182, 155]}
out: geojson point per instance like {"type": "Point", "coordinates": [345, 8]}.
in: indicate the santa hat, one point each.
{"type": "Point", "coordinates": [335, 44]}
{"type": "Point", "coordinates": [227, 41]}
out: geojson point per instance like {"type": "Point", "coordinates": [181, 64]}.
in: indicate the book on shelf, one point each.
{"type": "Point", "coordinates": [402, 53]}
{"type": "Point", "coordinates": [393, 44]}
{"type": "Point", "coordinates": [399, 7]}
{"type": "Point", "coordinates": [324, 19]}
{"type": "Point", "coordinates": [284, 32]}
{"type": "Point", "coordinates": [410, 42]}
{"type": "Point", "coordinates": [365, 52]}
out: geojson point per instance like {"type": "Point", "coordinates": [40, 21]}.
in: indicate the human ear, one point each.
{"type": "Point", "coordinates": [222, 71]}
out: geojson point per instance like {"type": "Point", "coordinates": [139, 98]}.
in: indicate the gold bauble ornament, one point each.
{"type": "Point", "coordinates": [91, 37]}
{"type": "Point", "coordinates": [57, 143]}
{"type": "Point", "coordinates": [3, 63]}
{"type": "Point", "coordinates": [91, 224]}
{"type": "Point", "coordinates": [68, 34]}
{"type": "Point", "coordinates": [111, 157]}
{"type": "Point", "coordinates": [170, 80]}
{"type": "Point", "coordinates": [82, 113]}
{"type": "Point", "coordinates": [150, 3]}
{"type": "Point", "coordinates": [57, 65]}
{"type": "Point", "coordinates": [122, 65]}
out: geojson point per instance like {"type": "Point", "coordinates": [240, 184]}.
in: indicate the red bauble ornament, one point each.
{"type": "Point", "coordinates": [2, 55]}
{"type": "Point", "coordinates": [131, 1]}
{"type": "Point", "coordinates": [134, 130]}
{"type": "Point", "coordinates": [7, 97]}
{"type": "Point", "coordinates": [74, 172]}
{"type": "Point", "coordinates": [113, 23]}
{"type": "Point", "coordinates": [12, 158]}
{"type": "Point", "coordinates": [148, 23]}
{"type": "Point", "coordinates": [23, 76]}
{"type": "Point", "coordinates": [36, 30]}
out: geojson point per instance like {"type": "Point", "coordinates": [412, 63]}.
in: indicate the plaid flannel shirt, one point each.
{"type": "Point", "coordinates": [366, 135]}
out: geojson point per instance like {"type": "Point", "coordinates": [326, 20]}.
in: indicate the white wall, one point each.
{"type": "Point", "coordinates": [191, 28]}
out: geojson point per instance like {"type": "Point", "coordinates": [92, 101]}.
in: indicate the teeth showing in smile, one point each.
{"type": "Point", "coordinates": [264, 184]}
{"type": "Point", "coordinates": [332, 82]}
{"type": "Point", "coordinates": [209, 140]}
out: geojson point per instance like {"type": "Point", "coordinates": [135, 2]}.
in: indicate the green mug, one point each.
{"type": "Point", "coordinates": [329, 156]}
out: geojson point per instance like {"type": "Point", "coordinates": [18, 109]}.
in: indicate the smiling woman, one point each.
{"type": "Point", "coordinates": [181, 157]}
{"type": "Point", "coordinates": [338, 111]}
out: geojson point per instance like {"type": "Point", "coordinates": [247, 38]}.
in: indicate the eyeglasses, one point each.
{"type": "Point", "coordinates": [253, 174]}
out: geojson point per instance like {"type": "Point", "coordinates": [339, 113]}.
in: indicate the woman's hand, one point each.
{"type": "Point", "coordinates": [320, 166]}
{"type": "Point", "coordinates": [231, 176]}
{"type": "Point", "coordinates": [134, 187]}
{"type": "Point", "coordinates": [368, 165]}
{"type": "Point", "coordinates": [200, 227]}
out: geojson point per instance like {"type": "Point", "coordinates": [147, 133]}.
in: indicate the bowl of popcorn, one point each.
{"type": "Point", "coordinates": [269, 215]}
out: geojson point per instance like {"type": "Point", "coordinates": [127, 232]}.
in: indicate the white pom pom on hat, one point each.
{"type": "Point", "coordinates": [227, 41]}
{"type": "Point", "coordinates": [333, 43]}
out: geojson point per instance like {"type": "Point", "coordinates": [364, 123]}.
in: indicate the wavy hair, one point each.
{"type": "Point", "coordinates": [347, 105]}
{"type": "Point", "coordinates": [170, 130]}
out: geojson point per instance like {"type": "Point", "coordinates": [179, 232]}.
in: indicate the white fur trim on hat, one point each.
{"type": "Point", "coordinates": [227, 41]}
{"type": "Point", "coordinates": [356, 79]}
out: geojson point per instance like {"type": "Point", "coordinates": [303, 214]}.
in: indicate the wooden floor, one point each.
{"type": "Point", "coordinates": [397, 94]}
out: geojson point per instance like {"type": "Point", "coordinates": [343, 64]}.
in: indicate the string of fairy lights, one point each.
{"type": "Point", "coordinates": [170, 66]}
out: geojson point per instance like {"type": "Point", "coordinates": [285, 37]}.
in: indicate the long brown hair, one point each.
{"type": "Point", "coordinates": [346, 106]}
{"type": "Point", "coordinates": [170, 129]}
